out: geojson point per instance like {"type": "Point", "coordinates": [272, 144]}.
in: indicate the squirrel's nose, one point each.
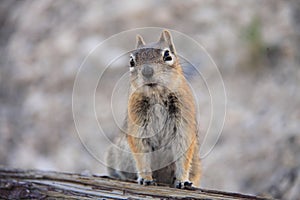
{"type": "Point", "coordinates": [147, 71]}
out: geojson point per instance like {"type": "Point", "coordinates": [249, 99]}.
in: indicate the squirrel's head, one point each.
{"type": "Point", "coordinates": [155, 65]}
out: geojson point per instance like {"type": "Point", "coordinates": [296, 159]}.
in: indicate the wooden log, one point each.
{"type": "Point", "coordinates": [26, 184]}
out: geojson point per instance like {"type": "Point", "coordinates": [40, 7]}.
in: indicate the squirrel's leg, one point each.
{"type": "Point", "coordinates": [142, 160]}
{"type": "Point", "coordinates": [183, 164]}
{"type": "Point", "coordinates": [195, 171]}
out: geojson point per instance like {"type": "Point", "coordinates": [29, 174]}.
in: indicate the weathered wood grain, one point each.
{"type": "Point", "coordinates": [26, 184]}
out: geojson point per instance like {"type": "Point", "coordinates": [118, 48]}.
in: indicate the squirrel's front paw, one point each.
{"type": "Point", "coordinates": [183, 184]}
{"type": "Point", "coordinates": [143, 181]}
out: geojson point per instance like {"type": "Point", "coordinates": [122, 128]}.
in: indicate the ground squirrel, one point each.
{"type": "Point", "coordinates": [160, 143]}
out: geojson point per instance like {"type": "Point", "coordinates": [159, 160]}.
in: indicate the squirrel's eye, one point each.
{"type": "Point", "coordinates": [168, 57]}
{"type": "Point", "coordinates": [131, 63]}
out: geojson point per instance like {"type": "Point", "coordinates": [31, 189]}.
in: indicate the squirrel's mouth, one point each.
{"type": "Point", "coordinates": [151, 84]}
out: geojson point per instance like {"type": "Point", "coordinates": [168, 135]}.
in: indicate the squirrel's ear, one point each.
{"type": "Point", "coordinates": [139, 41]}
{"type": "Point", "coordinates": [169, 40]}
{"type": "Point", "coordinates": [162, 38]}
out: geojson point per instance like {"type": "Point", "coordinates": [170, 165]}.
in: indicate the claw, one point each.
{"type": "Point", "coordinates": [183, 185]}
{"type": "Point", "coordinates": [187, 184]}
{"type": "Point", "coordinates": [142, 181]}
{"type": "Point", "coordinates": [149, 182]}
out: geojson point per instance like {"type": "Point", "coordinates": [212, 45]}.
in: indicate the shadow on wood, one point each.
{"type": "Point", "coordinates": [18, 184]}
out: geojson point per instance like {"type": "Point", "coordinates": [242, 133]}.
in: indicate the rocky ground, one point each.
{"type": "Point", "coordinates": [255, 45]}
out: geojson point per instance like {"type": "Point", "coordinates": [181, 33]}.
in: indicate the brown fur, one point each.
{"type": "Point", "coordinates": [161, 140]}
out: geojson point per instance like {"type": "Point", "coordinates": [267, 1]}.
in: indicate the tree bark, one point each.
{"type": "Point", "coordinates": [26, 184]}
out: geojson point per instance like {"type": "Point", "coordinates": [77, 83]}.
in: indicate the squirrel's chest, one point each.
{"type": "Point", "coordinates": [159, 127]}
{"type": "Point", "coordinates": [158, 118]}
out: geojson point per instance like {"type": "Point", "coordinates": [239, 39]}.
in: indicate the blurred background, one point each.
{"type": "Point", "coordinates": [255, 44]}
